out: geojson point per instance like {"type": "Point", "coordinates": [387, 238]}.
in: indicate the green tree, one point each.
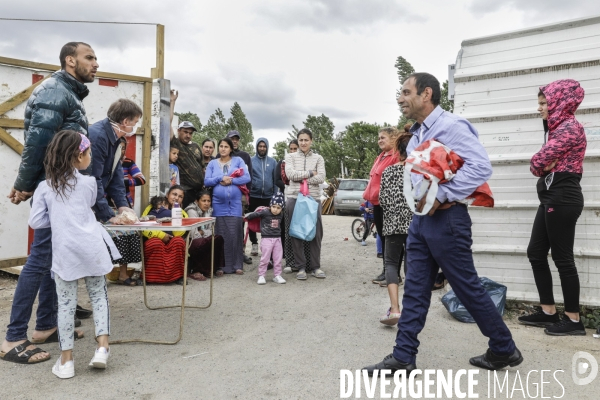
{"type": "Point", "coordinates": [359, 148]}
{"type": "Point", "coordinates": [445, 103]}
{"type": "Point", "coordinates": [216, 126]}
{"type": "Point", "coordinates": [240, 123]}
{"type": "Point", "coordinates": [280, 148]}
{"type": "Point", "coordinates": [403, 69]}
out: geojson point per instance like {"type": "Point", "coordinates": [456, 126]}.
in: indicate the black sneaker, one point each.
{"type": "Point", "coordinates": [247, 260]}
{"type": "Point", "coordinates": [566, 327]}
{"type": "Point", "coordinates": [379, 255]}
{"type": "Point", "coordinates": [83, 313]}
{"type": "Point", "coordinates": [539, 318]}
{"type": "Point", "coordinates": [380, 279]}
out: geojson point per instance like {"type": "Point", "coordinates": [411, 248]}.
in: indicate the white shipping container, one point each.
{"type": "Point", "coordinates": [496, 82]}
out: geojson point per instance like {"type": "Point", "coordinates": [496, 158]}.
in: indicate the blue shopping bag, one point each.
{"type": "Point", "coordinates": [304, 219]}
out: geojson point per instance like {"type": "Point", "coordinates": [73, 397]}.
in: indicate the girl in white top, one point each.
{"type": "Point", "coordinates": [63, 202]}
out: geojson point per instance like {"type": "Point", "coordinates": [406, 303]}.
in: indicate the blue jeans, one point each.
{"type": "Point", "coordinates": [378, 243]}
{"type": "Point", "coordinates": [34, 277]}
{"type": "Point", "coordinates": [444, 240]}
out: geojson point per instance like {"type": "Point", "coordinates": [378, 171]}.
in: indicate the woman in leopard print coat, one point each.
{"type": "Point", "coordinates": [396, 220]}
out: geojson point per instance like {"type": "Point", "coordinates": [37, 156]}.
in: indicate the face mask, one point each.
{"type": "Point", "coordinates": [127, 134]}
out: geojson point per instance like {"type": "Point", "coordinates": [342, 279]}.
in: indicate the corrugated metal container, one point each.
{"type": "Point", "coordinates": [497, 79]}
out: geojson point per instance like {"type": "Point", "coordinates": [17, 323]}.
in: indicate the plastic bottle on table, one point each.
{"type": "Point", "coordinates": [176, 215]}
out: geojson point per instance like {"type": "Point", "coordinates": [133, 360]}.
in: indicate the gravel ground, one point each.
{"type": "Point", "coordinates": [277, 341]}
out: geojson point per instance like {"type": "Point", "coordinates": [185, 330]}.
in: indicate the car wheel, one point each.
{"type": "Point", "coordinates": [337, 212]}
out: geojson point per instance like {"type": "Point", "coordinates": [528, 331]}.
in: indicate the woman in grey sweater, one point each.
{"type": "Point", "coordinates": [305, 164]}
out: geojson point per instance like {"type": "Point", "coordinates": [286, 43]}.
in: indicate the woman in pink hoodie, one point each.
{"type": "Point", "coordinates": [559, 166]}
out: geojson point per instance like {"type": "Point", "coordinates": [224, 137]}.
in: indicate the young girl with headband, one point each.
{"type": "Point", "coordinates": [63, 202]}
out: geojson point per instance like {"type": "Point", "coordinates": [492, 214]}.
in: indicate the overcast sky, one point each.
{"type": "Point", "coordinates": [281, 60]}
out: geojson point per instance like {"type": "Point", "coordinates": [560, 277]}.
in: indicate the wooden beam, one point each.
{"type": "Point", "coordinates": [51, 67]}
{"type": "Point", "coordinates": [146, 142]}
{"type": "Point", "coordinates": [11, 141]}
{"type": "Point", "coordinates": [19, 98]}
{"type": "Point", "coordinates": [12, 262]}
{"type": "Point", "coordinates": [12, 123]}
{"type": "Point", "coordinates": [160, 51]}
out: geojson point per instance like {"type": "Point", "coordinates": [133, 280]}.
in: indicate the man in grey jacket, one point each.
{"type": "Point", "coordinates": [55, 105]}
{"type": "Point", "coordinates": [263, 183]}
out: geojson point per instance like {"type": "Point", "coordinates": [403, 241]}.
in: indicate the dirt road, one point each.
{"type": "Point", "coordinates": [276, 341]}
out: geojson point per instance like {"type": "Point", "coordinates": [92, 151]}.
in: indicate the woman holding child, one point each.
{"type": "Point", "coordinates": [227, 176]}
{"type": "Point", "coordinates": [164, 252]}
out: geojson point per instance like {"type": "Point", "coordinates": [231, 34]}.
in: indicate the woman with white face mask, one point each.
{"type": "Point", "coordinates": [122, 118]}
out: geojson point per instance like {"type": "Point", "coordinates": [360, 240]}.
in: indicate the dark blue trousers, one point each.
{"type": "Point", "coordinates": [35, 277]}
{"type": "Point", "coordinates": [444, 240]}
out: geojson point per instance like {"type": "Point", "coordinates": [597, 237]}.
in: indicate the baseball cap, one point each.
{"type": "Point", "coordinates": [187, 124]}
{"type": "Point", "coordinates": [231, 134]}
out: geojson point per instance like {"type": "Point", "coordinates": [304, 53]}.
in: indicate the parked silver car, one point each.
{"type": "Point", "coordinates": [348, 197]}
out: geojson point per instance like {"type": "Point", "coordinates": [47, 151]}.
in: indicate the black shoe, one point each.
{"type": "Point", "coordinates": [247, 260]}
{"type": "Point", "coordinates": [180, 282]}
{"type": "Point", "coordinates": [77, 322]}
{"type": "Point", "coordinates": [539, 318]}
{"type": "Point", "coordinates": [566, 327]}
{"type": "Point", "coordinates": [379, 279]}
{"type": "Point", "coordinates": [493, 362]}
{"type": "Point", "coordinates": [83, 313]}
{"type": "Point", "coordinates": [390, 363]}
{"type": "Point", "coordinates": [379, 255]}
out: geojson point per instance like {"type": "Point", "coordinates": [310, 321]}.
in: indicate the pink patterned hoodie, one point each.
{"type": "Point", "coordinates": [566, 137]}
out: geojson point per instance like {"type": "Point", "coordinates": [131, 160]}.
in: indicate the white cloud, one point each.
{"type": "Point", "coordinates": [280, 60]}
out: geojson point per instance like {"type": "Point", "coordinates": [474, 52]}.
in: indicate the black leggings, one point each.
{"type": "Point", "coordinates": [378, 216]}
{"type": "Point", "coordinates": [392, 259]}
{"type": "Point", "coordinates": [554, 229]}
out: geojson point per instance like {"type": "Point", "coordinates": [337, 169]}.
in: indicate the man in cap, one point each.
{"type": "Point", "coordinates": [190, 157]}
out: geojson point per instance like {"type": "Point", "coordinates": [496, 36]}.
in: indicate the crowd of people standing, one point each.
{"type": "Point", "coordinates": [78, 173]}
{"type": "Point", "coordinates": [79, 179]}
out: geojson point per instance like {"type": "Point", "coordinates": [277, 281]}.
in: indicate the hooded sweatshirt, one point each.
{"type": "Point", "coordinates": [566, 143]}
{"type": "Point", "coordinates": [263, 174]}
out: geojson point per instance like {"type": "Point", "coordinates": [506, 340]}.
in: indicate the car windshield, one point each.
{"type": "Point", "coordinates": [353, 185]}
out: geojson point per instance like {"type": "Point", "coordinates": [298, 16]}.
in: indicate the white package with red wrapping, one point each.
{"type": "Point", "coordinates": [438, 164]}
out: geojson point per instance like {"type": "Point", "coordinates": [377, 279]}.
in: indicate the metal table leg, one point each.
{"type": "Point", "coordinates": [182, 305]}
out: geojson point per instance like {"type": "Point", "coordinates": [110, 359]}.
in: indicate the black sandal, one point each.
{"type": "Point", "coordinates": [53, 338]}
{"type": "Point", "coordinates": [25, 356]}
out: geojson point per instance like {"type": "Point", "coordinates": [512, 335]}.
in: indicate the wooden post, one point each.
{"type": "Point", "coordinates": [146, 143]}
{"type": "Point", "coordinates": [160, 51]}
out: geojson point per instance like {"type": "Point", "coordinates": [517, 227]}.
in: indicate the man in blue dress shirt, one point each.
{"type": "Point", "coordinates": [443, 236]}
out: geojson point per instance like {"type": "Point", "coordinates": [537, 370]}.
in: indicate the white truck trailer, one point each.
{"type": "Point", "coordinates": [496, 81]}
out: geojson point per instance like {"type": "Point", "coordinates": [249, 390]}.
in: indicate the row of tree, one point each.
{"type": "Point", "coordinates": [355, 148]}
{"type": "Point", "coordinates": [217, 126]}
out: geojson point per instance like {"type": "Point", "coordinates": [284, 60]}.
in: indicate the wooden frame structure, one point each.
{"type": "Point", "coordinates": [145, 130]}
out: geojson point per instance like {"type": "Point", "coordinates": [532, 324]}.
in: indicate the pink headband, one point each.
{"type": "Point", "coordinates": [85, 143]}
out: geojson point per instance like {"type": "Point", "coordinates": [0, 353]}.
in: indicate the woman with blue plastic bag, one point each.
{"type": "Point", "coordinates": [305, 164]}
